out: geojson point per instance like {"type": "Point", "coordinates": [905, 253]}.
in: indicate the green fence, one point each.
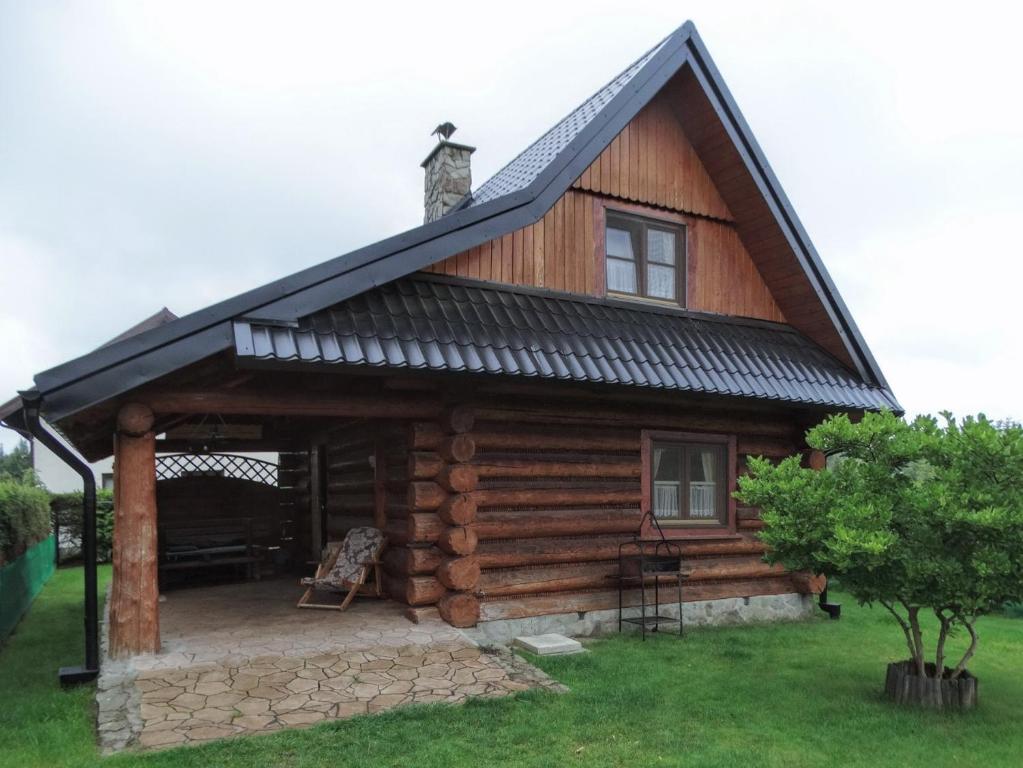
{"type": "Point", "coordinates": [21, 580]}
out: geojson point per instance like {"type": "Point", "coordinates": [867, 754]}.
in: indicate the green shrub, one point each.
{"type": "Point", "coordinates": [1013, 610]}
{"type": "Point", "coordinates": [67, 510]}
{"type": "Point", "coordinates": [919, 516]}
{"type": "Point", "coordinates": [24, 518]}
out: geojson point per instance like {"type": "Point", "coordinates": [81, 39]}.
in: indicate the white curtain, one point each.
{"type": "Point", "coordinates": [666, 500]}
{"type": "Point", "coordinates": [703, 495]}
{"type": "Point", "coordinates": [665, 494]}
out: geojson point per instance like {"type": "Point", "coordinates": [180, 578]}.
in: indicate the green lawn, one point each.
{"type": "Point", "coordinates": [785, 695]}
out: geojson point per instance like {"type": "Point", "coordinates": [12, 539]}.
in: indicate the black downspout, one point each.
{"type": "Point", "coordinates": [834, 610]}
{"type": "Point", "coordinates": [88, 672]}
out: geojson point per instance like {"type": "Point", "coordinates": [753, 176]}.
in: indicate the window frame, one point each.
{"type": "Point", "coordinates": [690, 528]}
{"type": "Point", "coordinates": [640, 225]}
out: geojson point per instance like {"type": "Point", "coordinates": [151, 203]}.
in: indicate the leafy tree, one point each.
{"type": "Point", "coordinates": [915, 517]}
{"type": "Point", "coordinates": [16, 465]}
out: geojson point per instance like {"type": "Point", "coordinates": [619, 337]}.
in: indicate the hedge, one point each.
{"type": "Point", "coordinates": [67, 510]}
{"type": "Point", "coordinates": [24, 518]}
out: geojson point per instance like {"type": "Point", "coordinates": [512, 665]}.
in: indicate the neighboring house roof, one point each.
{"type": "Point", "coordinates": [155, 320]}
{"type": "Point", "coordinates": [519, 195]}
{"type": "Point", "coordinates": [452, 324]}
{"type": "Point", "coordinates": [162, 317]}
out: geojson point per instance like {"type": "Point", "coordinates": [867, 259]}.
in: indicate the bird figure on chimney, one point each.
{"type": "Point", "coordinates": [444, 130]}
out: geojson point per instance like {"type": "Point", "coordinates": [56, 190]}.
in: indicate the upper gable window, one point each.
{"type": "Point", "coordinates": [645, 258]}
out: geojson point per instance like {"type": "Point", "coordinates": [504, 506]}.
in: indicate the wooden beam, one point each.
{"type": "Point", "coordinates": [297, 403]}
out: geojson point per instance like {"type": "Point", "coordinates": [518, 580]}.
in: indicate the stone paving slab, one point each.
{"type": "Point", "coordinates": [550, 644]}
{"type": "Point", "coordinates": [241, 659]}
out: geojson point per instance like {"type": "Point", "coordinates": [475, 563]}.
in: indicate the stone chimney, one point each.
{"type": "Point", "coordinates": [448, 178]}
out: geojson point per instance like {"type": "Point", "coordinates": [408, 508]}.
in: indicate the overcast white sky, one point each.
{"type": "Point", "coordinates": [177, 153]}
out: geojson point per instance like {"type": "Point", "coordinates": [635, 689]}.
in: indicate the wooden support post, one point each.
{"type": "Point", "coordinates": [134, 598]}
{"type": "Point", "coordinates": [379, 485]}
{"type": "Point", "coordinates": [316, 485]}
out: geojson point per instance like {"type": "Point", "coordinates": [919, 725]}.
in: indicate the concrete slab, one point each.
{"type": "Point", "coordinates": [549, 645]}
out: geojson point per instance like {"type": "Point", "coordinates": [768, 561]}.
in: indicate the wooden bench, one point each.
{"type": "Point", "coordinates": [209, 544]}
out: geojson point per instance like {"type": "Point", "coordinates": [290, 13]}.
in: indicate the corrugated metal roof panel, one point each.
{"type": "Point", "coordinates": [442, 325]}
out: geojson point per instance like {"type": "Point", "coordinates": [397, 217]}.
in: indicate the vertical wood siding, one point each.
{"type": "Point", "coordinates": [652, 162]}
{"type": "Point", "coordinates": [652, 168]}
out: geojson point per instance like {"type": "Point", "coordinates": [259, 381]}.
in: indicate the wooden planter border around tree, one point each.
{"type": "Point", "coordinates": [904, 686]}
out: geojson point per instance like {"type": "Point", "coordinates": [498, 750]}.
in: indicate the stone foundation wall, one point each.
{"type": "Point", "coordinates": [728, 611]}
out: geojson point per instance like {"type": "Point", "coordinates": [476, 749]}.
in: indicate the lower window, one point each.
{"type": "Point", "coordinates": [688, 483]}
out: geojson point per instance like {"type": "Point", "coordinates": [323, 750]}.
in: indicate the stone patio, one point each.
{"type": "Point", "coordinates": [240, 659]}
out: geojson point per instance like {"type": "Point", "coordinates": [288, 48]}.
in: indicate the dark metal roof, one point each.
{"type": "Point", "coordinates": [468, 326]}
{"type": "Point", "coordinates": [551, 169]}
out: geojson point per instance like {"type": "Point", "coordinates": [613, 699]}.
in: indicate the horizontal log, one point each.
{"type": "Point", "coordinates": [350, 503]}
{"type": "Point", "coordinates": [809, 584]}
{"type": "Point", "coordinates": [351, 484]}
{"type": "Point", "coordinates": [755, 524]}
{"type": "Point", "coordinates": [588, 466]}
{"type": "Point", "coordinates": [554, 578]}
{"type": "Point", "coordinates": [563, 578]}
{"type": "Point", "coordinates": [817, 460]}
{"type": "Point", "coordinates": [658, 418]}
{"type": "Point", "coordinates": [459, 573]}
{"type": "Point", "coordinates": [345, 464]}
{"type": "Point", "coordinates": [598, 600]}
{"type": "Point", "coordinates": [458, 478]}
{"type": "Point", "coordinates": [458, 540]}
{"type": "Point", "coordinates": [417, 527]}
{"type": "Point", "coordinates": [424, 465]}
{"type": "Point", "coordinates": [747, 513]}
{"type": "Point", "coordinates": [532, 524]}
{"type": "Point", "coordinates": [339, 525]}
{"type": "Point", "coordinates": [459, 609]}
{"type": "Point", "coordinates": [775, 449]}
{"type": "Point", "coordinates": [457, 449]}
{"type": "Point", "coordinates": [509, 553]}
{"type": "Point", "coordinates": [425, 495]}
{"type": "Point", "coordinates": [414, 590]}
{"type": "Point", "coordinates": [351, 446]}
{"type": "Point", "coordinates": [412, 561]}
{"type": "Point", "coordinates": [553, 497]}
{"type": "Point", "coordinates": [458, 419]}
{"type": "Point", "coordinates": [459, 509]}
{"type": "Point", "coordinates": [563, 440]}
{"type": "Point", "coordinates": [285, 403]}
{"type": "Point", "coordinates": [425, 435]}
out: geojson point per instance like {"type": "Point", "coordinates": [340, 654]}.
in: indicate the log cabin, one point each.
{"type": "Point", "coordinates": [608, 326]}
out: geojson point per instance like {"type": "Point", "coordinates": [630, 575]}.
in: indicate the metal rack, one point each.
{"type": "Point", "coordinates": [640, 561]}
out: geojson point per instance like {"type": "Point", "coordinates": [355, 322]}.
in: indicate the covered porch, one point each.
{"type": "Point", "coordinates": [235, 659]}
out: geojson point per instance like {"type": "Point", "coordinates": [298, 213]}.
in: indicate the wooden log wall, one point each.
{"type": "Point", "coordinates": [521, 513]}
{"type": "Point", "coordinates": [365, 477]}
